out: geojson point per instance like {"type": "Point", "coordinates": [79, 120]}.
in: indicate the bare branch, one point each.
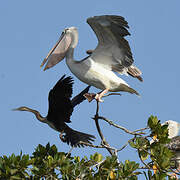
{"type": "Point", "coordinates": [69, 152]}
{"type": "Point", "coordinates": [121, 127]}
{"type": "Point", "coordinates": [97, 165]}
{"type": "Point", "coordinates": [125, 145]}
{"type": "Point", "coordinates": [142, 129]}
{"type": "Point", "coordinates": [99, 130]}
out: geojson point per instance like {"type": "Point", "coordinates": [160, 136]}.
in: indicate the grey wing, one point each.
{"type": "Point", "coordinates": [174, 144]}
{"type": "Point", "coordinates": [113, 50]}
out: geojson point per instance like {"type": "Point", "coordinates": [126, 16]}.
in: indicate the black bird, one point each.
{"type": "Point", "coordinates": [60, 111]}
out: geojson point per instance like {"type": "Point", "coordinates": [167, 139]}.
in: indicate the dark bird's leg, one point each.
{"type": "Point", "coordinates": [89, 96]}
{"type": "Point", "coordinates": [61, 136]}
{"type": "Point", "coordinates": [89, 51]}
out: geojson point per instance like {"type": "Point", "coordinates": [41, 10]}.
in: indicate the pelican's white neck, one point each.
{"type": "Point", "coordinates": [70, 54]}
{"type": "Point", "coordinates": [72, 31]}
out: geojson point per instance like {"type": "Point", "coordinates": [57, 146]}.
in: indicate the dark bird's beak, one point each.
{"type": "Point", "coordinates": [58, 52]}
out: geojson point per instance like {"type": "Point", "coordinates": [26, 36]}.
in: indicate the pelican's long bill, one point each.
{"type": "Point", "coordinates": [58, 52]}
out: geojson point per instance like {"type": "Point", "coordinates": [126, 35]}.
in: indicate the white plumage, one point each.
{"type": "Point", "coordinates": [112, 54]}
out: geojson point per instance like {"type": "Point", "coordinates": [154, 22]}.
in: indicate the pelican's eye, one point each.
{"type": "Point", "coordinates": [66, 29]}
{"type": "Point", "coordinates": [63, 32]}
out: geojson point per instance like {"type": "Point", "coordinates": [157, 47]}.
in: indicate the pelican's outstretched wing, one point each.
{"type": "Point", "coordinates": [113, 50]}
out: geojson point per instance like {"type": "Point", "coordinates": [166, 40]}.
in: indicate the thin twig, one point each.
{"type": "Point", "coordinates": [96, 146]}
{"type": "Point", "coordinates": [146, 165]}
{"type": "Point", "coordinates": [120, 127]}
{"type": "Point", "coordinates": [99, 130]}
{"type": "Point", "coordinates": [125, 145]}
{"type": "Point", "coordinates": [142, 129]}
{"type": "Point", "coordinates": [69, 152]}
{"type": "Point", "coordinates": [108, 146]}
{"type": "Point", "coordinates": [97, 165]}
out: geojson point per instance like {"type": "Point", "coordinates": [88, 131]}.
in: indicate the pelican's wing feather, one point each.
{"type": "Point", "coordinates": [174, 144]}
{"type": "Point", "coordinates": [113, 49]}
{"type": "Point", "coordinates": [60, 107]}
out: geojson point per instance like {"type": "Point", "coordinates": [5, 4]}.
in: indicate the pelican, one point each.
{"type": "Point", "coordinates": [173, 128]}
{"type": "Point", "coordinates": [174, 144]}
{"type": "Point", "coordinates": [112, 54]}
{"type": "Point", "coordinates": [60, 110]}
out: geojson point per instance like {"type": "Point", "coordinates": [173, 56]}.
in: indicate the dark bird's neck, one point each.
{"type": "Point", "coordinates": [35, 112]}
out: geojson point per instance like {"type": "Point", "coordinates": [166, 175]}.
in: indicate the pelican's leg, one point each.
{"type": "Point", "coordinates": [100, 95]}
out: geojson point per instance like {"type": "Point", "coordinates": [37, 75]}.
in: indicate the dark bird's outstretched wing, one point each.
{"type": "Point", "coordinates": [61, 108]}
{"type": "Point", "coordinates": [80, 97]}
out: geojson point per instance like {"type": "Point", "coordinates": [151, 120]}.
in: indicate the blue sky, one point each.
{"type": "Point", "coordinates": [28, 31]}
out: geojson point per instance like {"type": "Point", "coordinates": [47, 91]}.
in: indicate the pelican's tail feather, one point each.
{"type": "Point", "coordinates": [129, 89]}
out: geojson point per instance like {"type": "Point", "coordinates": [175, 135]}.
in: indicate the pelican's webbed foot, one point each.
{"type": "Point", "coordinates": [98, 96]}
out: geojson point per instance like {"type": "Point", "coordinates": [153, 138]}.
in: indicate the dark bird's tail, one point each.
{"type": "Point", "coordinates": [74, 138]}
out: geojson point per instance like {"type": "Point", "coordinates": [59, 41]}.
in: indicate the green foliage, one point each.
{"type": "Point", "coordinates": [47, 163]}
{"type": "Point", "coordinates": [160, 131]}
{"type": "Point", "coordinates": [155, 153]}
{"type": "Point", "coordinates": [14, 167]}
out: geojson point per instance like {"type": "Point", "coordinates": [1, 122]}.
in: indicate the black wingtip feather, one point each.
{"type": "Point", "coordinates": [80, 97]}
{"type": "Point", "coordinates": [64, 86]}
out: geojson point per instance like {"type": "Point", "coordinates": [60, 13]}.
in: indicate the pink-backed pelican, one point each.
{"type": "Point", "coordinates": [112, 54]}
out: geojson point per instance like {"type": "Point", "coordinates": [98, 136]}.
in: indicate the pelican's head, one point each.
{"type": "Point", "coordinates": [68, 39]}
{"type": "Point", "coordinates": [73, 32]}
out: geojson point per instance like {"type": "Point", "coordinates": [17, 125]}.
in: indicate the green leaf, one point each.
{"type": "Point", "coordinates": [132, 144]}
{"type": "Point", "coordinates": [144, 155]}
